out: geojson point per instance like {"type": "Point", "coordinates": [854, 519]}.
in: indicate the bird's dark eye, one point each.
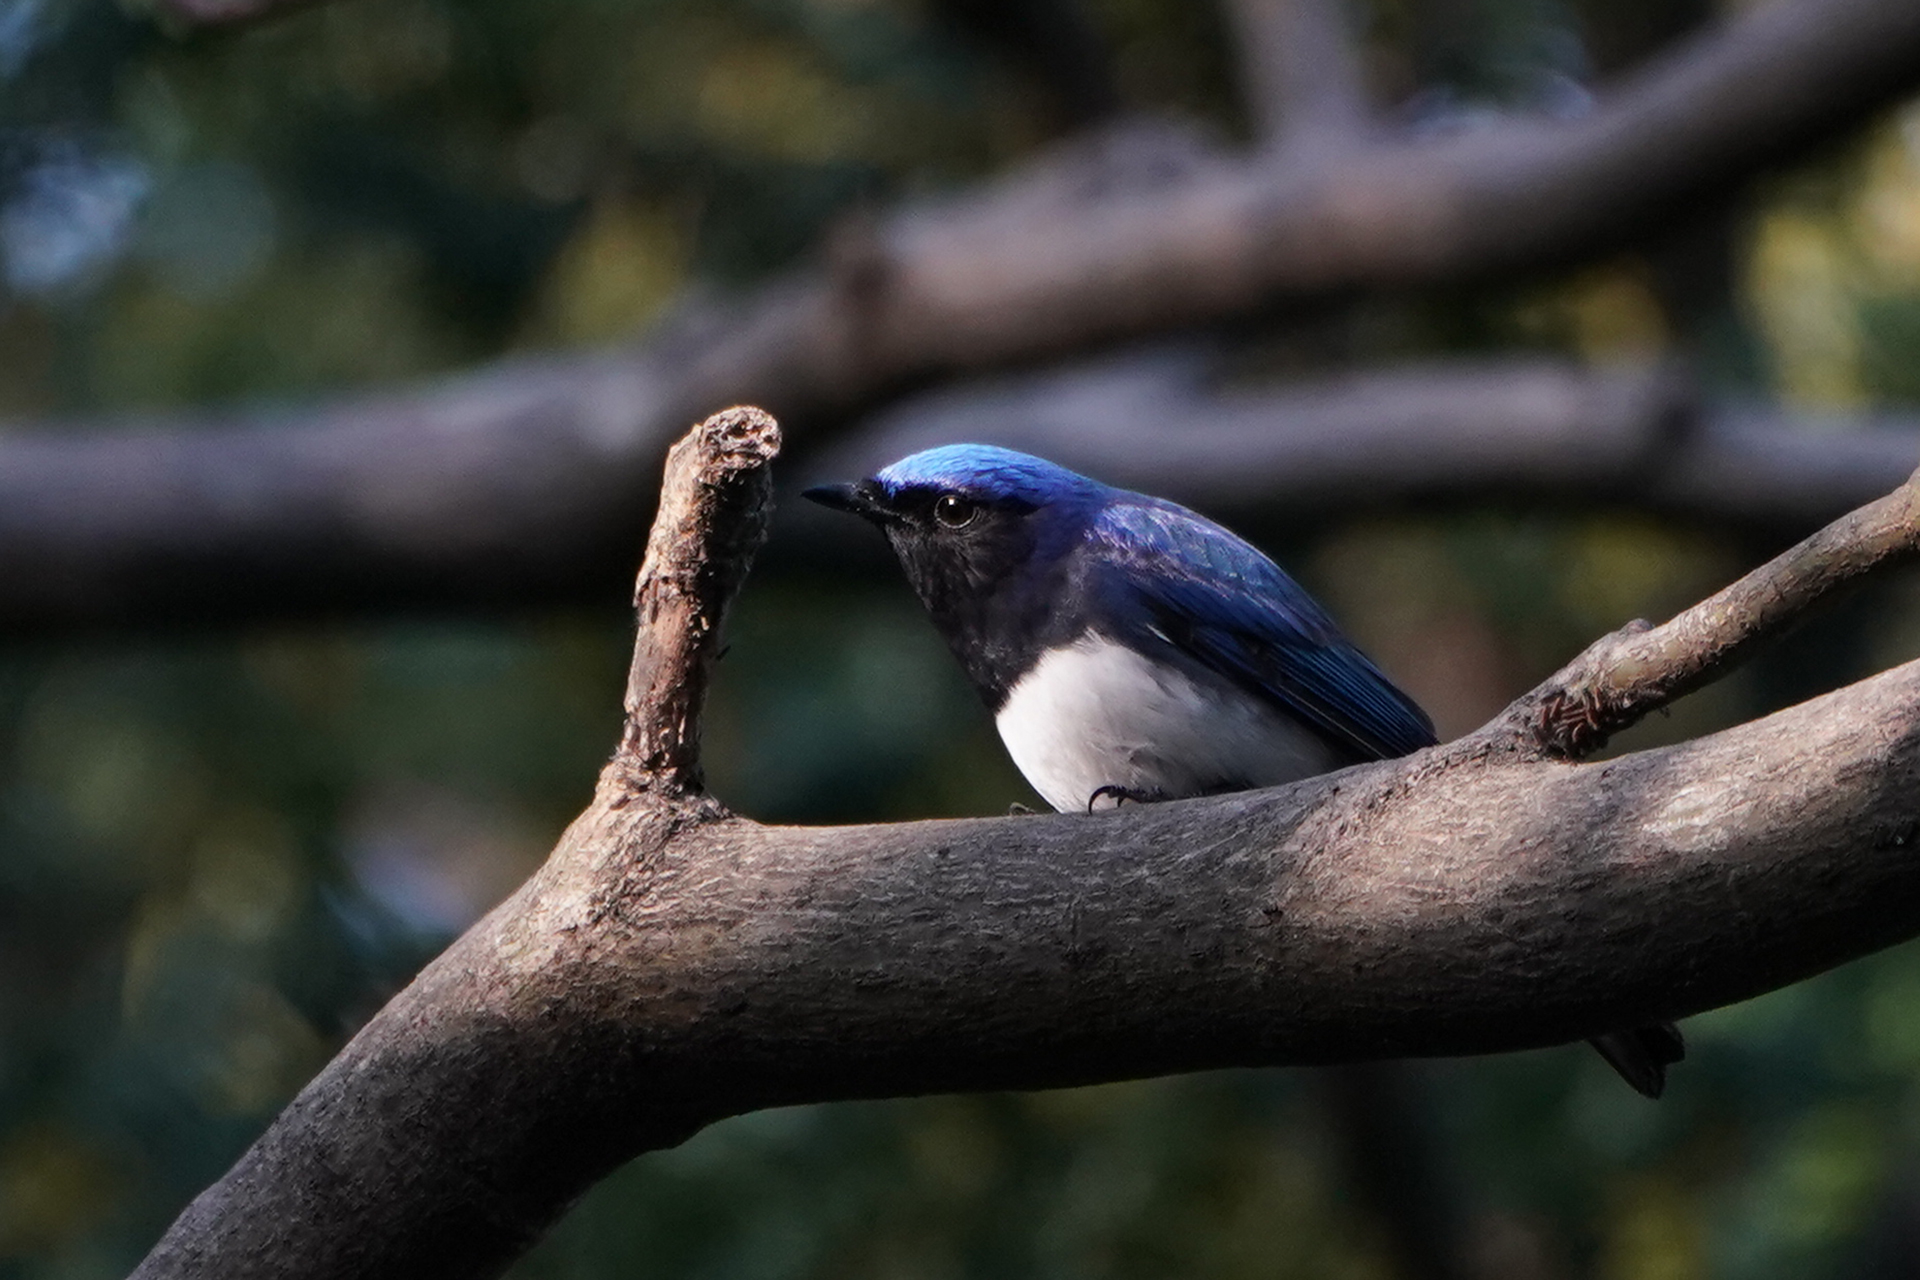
{"type": "Point", "coordinates": [954, 511]}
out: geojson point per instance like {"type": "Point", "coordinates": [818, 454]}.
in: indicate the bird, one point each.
{"type": "Point", "coordinates": [1132, 650]}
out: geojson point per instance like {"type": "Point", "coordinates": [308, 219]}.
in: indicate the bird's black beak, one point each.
{"type": "Point", "coordinates": [862, 498]}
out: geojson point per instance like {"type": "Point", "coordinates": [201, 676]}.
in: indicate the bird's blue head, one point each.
{"type": "Point", "coordinates": [987, 474]}
{"type": "Point", "coordinates": [954, 485]}
{"type": "Point", "coordinates": [985, 534]}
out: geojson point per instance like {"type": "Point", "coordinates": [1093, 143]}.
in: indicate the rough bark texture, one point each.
{"type": "Point", "coordinates": [673, 964]}
{"type": "Point", "coordinates": [519, 482]}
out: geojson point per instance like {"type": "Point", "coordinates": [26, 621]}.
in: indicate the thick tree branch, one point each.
{"type": "Point", "coordinates": [672, 964]}
{"type": "Point", "coordinates": [520, 481]}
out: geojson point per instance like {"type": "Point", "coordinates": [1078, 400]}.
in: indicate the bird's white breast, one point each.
{"type": "Point", "coordinates": [1097, 713]}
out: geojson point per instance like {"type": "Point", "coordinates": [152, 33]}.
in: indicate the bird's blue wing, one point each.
{"type": "Point", "coordinates": [1177, 578]}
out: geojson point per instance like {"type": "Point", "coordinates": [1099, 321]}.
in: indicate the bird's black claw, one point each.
{"type": "Point", "coordinates": [1121, 795]}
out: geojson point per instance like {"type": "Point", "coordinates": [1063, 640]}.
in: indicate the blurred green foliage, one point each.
{"type": "Point", "coordinates": [218, 855]}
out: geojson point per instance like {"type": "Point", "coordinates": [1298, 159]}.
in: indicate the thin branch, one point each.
{"type": "Point", "coordinates": [1300, 74]}
{"type": "Point", "coordinates": [1623, 677]}
{"type": "Point", "coordinates": [1058, 260]}
{"type": "Point", "coordinates": [671, 964]}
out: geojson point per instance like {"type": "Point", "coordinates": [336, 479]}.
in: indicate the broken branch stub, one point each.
{"type": "Point", "coordinates": [715, 501]}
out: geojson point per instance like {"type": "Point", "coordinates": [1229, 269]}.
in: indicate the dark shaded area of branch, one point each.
{"type": "Point", "coordinates": [521, 483]}
{"type": "Point", "coordinates": [671, 964]}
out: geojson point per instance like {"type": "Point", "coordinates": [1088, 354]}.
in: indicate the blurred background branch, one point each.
{"type": "Point", "coordinates": [522, 484]}
{"type": "Point", "coordinates": [512, 489]}
{"type": "Point", "coordinates": [1518, 431]}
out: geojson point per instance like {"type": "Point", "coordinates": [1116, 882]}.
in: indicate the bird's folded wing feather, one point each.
{"type": "Point", "coordinates": [1186, 582]}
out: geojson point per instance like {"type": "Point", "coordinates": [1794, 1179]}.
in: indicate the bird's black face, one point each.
{"type": "Point", "coordinates": [955, 545]}
{"type": "Point", "coordinates": [970, 559]}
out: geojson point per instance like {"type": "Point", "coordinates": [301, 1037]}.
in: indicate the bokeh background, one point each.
{"type": "Point", "coordinates": [221, 849]}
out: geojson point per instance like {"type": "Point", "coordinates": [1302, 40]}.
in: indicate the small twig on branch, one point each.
{"type": "Point", "coordinates": [1623, 677]}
